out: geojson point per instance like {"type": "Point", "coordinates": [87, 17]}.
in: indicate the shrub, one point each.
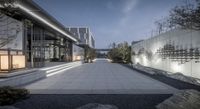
{"type": "Point", "coordinates": [9, 95]}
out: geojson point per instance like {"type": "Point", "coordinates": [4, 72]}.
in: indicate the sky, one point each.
{"type": "Point", "coordinates": [111, 20]}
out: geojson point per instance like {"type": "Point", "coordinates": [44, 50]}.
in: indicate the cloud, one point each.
{"type": "Point", "coordinates": [124, 26]}
{"type": "Point", "coordinates": [124, 20]}
{"type": "Point", "coordinates": [129, 6]}
{"type": "Point", "coordinates": [110, 5]}
{"type": "Point", "coordinates": [127, 10]}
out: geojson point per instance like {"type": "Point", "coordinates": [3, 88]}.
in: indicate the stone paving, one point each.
{"type": "Point", "coordinates": [100, 77]}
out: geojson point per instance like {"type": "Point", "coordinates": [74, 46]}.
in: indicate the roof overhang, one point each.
{"type": "Point", "coordinates": [32, 9]}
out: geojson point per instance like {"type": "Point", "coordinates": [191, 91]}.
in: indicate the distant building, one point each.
{"type": "Point", "coordinates": [134, 42]}
{"type": "Point", "coordinates": [83, 34]}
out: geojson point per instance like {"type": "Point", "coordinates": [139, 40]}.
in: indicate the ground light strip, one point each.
{"type": "Point", "coordinates": [48, 71]}
{"type": "Point", "coordinates": [54, 67]}
{"type": "Point", "coordinates": [60, 71]}
{"type": "Point", "coordinates": [58, 66]}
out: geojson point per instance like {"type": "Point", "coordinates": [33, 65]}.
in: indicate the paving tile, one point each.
{"type": "Point", "coordinates": [99, 78]}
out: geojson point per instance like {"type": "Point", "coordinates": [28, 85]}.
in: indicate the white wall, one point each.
{"type": "Point", "coordinates": [184, 39]}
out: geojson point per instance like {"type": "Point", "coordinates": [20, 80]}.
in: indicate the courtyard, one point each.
{"type": "Point", "coordinates": [99, 77]}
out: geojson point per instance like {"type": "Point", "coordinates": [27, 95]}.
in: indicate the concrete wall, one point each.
{"type": "Point", "coordinates": [174, 51]}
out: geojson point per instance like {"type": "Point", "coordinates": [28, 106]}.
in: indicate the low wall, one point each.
{"type": "Point", "coordinates": [174, 51]}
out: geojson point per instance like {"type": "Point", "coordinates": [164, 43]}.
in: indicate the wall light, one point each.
{"type": "Point", "coordinates": [18, 61]}
{"type": "Point", "coordinates": [77, 58]}
{"type": "Point", "coordinates": [11, 62]}
{"type": "Point", "coordinates": [176, 67]}
{"type": "Point", "coordinates": [145, 61]}
{"type": "Point", "coordinates": [158, 61]}
{"type": "Point", "coordinates": [4, 64]}
{"type": "Point", "coordinates": [137, 60]}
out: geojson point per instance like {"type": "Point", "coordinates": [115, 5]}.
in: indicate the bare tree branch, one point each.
{"type": "Point", "coordinates": [186, 16]}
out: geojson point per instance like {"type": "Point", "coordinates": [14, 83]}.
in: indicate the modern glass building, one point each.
{"type": "Point", "coordinates": [83, 34]}
{"type": "Point", "coordinates": [30, 37]}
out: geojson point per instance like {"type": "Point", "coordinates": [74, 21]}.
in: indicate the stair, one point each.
{"type": "Point", "coordinates": [50, 71]}
{"type": "Point", "coordinates": [20, 78]}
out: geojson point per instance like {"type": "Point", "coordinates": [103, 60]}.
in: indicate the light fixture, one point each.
{"type": "Point", "coordinates": [14, 61]}
{"type": "Point", "coordinates": [4, 62]}
{"type": "Point", "coordinates": [145, 61]}
{"type": "Point", "coordinates": [61, 70]}
{"type": "Point", "coordinates": [158, 61]}
{"type": "Point", "coordinates": [18, 61]}
{"type": "Point", "coordinates": [176, 67]}
{"type": "Point", "coordinates": [137, 60]}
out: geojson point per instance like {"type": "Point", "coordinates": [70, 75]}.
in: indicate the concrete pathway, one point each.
{"type": "Point", "coordinates": [100, 77]}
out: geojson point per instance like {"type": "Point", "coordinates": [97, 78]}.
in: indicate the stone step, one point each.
{"type": "Point", "coordinates": [23, 77]}
{"type": "Point", "coordinates": [57, 66]}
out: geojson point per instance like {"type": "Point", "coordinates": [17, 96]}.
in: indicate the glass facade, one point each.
{"type": "Point", "coordinates": [26, 44]}
{"type": "Point", "coordinates": [84, 35]}
{"type": "Point", "coordinates": [45, 46]}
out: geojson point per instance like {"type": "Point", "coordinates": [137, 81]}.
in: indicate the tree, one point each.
{"type": "Point", "coordinates": [186, 16]}
{"type": "Point", "coordinates": [120, 53]}
{"type": "Point", "coordinates": [90, 54]}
